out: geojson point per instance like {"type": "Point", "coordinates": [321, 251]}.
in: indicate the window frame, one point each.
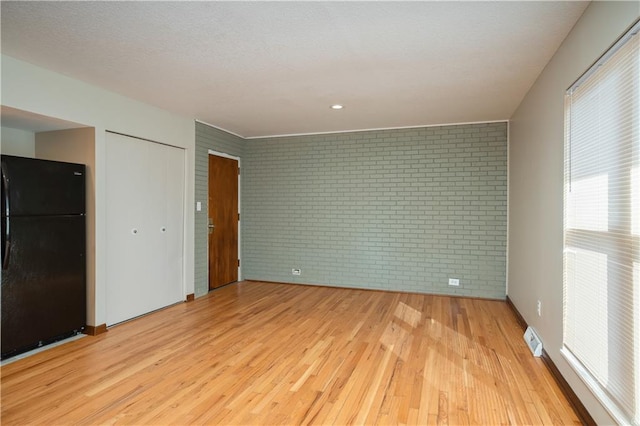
{"type": "Point", "coordinates": [618, 242]}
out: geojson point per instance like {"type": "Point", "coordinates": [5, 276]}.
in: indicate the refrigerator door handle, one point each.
{"type": "Point", "coordinates": [7, 244]}
{"type": "Point", "coordinates": [6, 235]}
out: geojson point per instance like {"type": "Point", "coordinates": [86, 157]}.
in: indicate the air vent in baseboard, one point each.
{"type": "Point", "coordinates": [533, 341]}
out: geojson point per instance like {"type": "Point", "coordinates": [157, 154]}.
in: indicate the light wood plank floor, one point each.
{"type": "Point", "coordinates": [260, 353]}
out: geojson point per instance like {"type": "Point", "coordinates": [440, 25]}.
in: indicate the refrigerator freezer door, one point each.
{"type": "Point", "coordinates": [43, 289]}
{"type": "Point", "coordinates": [40, 187]}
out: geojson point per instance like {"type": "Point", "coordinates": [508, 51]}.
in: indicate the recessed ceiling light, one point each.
{"type": "Point", "coordinates": [336, 106]}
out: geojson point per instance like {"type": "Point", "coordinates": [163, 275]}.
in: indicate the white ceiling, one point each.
{"type": "Point", "coordinates": [272, 68]}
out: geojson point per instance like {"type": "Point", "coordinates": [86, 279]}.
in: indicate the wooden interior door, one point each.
{"type": "Point", "coordinates": [223, 221]}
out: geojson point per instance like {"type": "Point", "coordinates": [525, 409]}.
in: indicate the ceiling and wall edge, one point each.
{"type": "Point", "coordinates": [376, 129]}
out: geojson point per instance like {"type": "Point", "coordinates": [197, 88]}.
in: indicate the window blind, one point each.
{"type": "Point", "coordinates": [602, 228]}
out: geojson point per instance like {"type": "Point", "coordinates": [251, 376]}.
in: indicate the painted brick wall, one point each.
{"type": "Point", "coordinates": [395, 209]}
{"type": "Point", "coordinates": [207, 138]}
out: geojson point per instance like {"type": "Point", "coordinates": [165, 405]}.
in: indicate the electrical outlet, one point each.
{"type": "Point", "coordinates": [539, 308]}
{"type": "Point", "coordinates": [296, 271]}
{"type": "Point", "coordinates": [454, 282]}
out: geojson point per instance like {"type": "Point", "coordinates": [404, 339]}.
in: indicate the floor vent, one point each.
{"type": "Point", "coordinates": [533, 341]}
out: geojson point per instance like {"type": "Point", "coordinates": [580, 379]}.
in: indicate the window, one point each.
{"type": "Point", "coordinates": [602, 228]}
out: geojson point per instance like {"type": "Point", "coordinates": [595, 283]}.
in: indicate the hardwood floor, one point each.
{"type": "Point", "coordinates": [259, 353]}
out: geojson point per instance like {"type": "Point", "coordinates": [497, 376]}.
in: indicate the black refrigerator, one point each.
{"type": "Point", "coordinates": [43, 252]}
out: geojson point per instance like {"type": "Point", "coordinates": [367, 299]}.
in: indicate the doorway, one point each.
{"type": "Point", "coordinates": [144, 201]}
{"type": "Point", "coordinates": [223, 219]}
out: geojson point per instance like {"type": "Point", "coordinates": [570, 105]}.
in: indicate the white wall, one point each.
{"type": "Point", "coordinates": [536, 153]}
{"type": "Point", "coordinates": [37, 90]}
{"type": "Point", "coordinates": [17, 142]}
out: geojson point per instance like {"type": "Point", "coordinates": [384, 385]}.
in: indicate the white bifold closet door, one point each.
{"type": "Point", "coordinates": [145, 208]}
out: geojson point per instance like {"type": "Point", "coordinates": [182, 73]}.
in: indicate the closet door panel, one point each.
{"type": "Point", "coordinates": [141, 266]}
{"type": "Point", "coordinates": [174, 220]}
{"type": "Point", "coordinates": [126, 227]}
{"type": "Point", "coordinates": [157, 287]}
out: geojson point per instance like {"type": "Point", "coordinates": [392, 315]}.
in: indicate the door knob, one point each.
{"type": "Point", "coordinates": [211, 226]}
